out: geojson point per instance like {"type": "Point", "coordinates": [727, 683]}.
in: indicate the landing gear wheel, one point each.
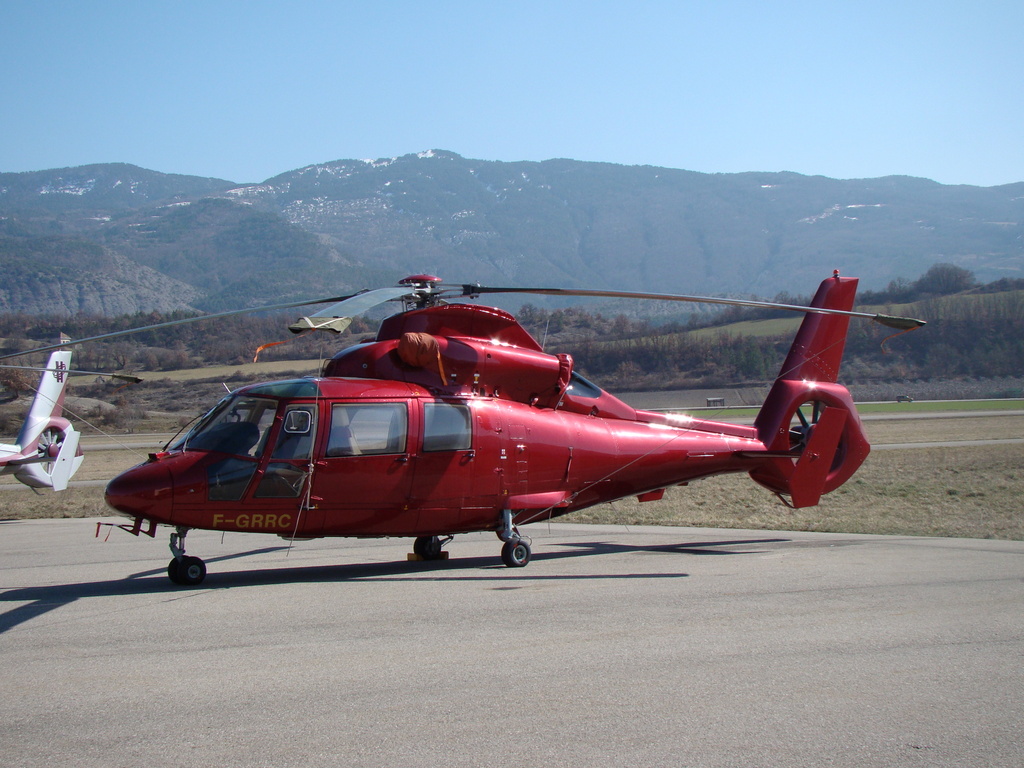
{"type": "Point", "coordinates": [186, 572]}
{"type": "Point", "coordinates": [430, 547]}
{"type": "Point", "coordinates": [515, 554]}
{"type": "Point", "coordinates": [191, 571]}
{"type": "Point", "coordinates": [427, 547]}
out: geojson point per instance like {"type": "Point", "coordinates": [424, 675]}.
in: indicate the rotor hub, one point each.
{"type": "Point", "coordinates": [426, 291]}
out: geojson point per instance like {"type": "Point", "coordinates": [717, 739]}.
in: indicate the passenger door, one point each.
{"type": "Point", "coordinates": [361, 482]}
{"type": "Point", "coordinates": [445, 464]}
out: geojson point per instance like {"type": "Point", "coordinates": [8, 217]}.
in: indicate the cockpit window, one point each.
{"type": "Point", "coordinates": [290, 388]}
{"type": "Point", "coordinates": [581, 387]}
{"type": "Point", "coordinates": [238, 426]}
{"type": "Point", "coordinates": [298, 428]}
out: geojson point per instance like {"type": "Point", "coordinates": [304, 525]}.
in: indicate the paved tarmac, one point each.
{"type": "Point", "coordinates": [622, 647]}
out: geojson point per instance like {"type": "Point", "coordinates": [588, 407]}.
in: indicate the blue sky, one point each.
{"type": "Point", "coordinates": [247, 90]}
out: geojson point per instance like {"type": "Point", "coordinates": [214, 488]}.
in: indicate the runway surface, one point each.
{"type": "Point", "coordinates": [642, 646]}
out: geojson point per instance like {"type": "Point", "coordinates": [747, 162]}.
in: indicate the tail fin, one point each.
{"type": "Point", "coordinates": [808, 423]}
{"type": "Point", "coordinates": [47, 453]}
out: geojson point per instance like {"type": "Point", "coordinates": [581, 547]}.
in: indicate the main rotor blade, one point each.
{"type": "Point", "coordinates": [361, 302]}
{"type": "Point", "coordinates": [901, 323]}
{"type": "Point", "coordinates": [347, 308]}
{"type": "Point", "coordinates": [183, 321]}
{"type": "Point", "coordinates": [73, 372]}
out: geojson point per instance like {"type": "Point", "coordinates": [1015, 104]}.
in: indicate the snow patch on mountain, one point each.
{"type": "Point", "coordinates": [61, 187]}
{"type": "Point", "coordinates": [831, 211]}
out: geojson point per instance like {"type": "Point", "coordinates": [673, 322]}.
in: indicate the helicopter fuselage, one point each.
{"type": "Point", "coordinates": [363, 457]}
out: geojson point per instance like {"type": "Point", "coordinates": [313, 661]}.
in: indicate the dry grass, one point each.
{"type": "Point", "coordinates": [974, 425]}
{"type": "Point", "coordinates": [972, 491]}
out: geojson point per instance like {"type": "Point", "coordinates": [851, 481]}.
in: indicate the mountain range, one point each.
{"type": "Point", "coordinates": [114, 238]}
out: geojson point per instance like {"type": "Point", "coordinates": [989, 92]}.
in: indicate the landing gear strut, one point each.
{"type": "Point", "coordinates": [515, 552]}
{"type": "Point", "coordinates": [184, 570]}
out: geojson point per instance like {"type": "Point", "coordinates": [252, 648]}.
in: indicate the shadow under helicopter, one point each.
{"type": "Point", "coordinates": [42, 600]}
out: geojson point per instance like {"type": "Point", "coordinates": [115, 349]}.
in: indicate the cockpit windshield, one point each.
{"type": "Point", "coordinates": [238, 425]}
{"type": "Point", "coordinates": [581, 387]}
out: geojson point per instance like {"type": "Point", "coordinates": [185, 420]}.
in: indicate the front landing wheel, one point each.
{"type": "Point", "coordinates": [515, 554]}
{"type": "Point", "coordinates": [186, 572]}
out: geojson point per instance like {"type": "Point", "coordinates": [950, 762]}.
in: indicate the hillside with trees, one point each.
{"type": "Point", "coordinates": [974, 332]}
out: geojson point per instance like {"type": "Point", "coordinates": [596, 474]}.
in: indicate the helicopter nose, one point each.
{"type": "Point", "coordinates": [142, 491]}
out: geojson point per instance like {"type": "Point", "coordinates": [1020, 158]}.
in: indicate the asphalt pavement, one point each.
{"type": "Point", "coordinates": [614, 646]}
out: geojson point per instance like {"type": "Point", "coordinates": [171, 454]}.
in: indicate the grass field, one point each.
{"type": "Point", "coordinates": [963, 492]}
{"type": "Point", "coordinates": [908, 410]}
{"type": "Point", "coordinates": [974, 491]}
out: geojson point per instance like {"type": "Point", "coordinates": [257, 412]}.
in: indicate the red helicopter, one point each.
{"type": "Point", "coordinates": [454, 419]}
